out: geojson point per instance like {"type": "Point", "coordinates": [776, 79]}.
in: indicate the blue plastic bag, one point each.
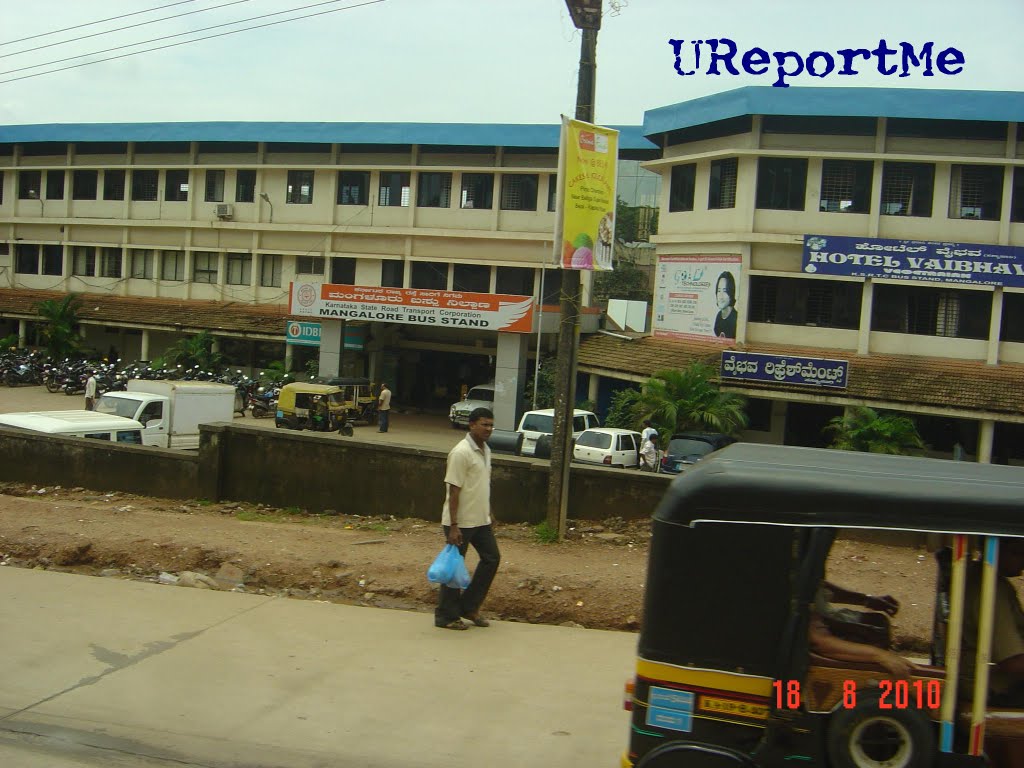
{"type": "Point", "coordinates": [449, 568]}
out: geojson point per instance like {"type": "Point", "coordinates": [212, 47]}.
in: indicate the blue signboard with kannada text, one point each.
{"type": "Point", "coordinates": [784, 369]}
{"type": "Point", "coordinates": [923, 260]}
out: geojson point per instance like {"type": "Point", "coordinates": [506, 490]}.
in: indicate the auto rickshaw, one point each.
{"type": "Point", "coordinates": [360, 400]}
{"type": "Point", "coordinates": [297, 408]}
{"type": "Point", "coordinates": [725, 676]}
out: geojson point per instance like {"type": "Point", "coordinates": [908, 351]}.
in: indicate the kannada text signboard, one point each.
{"type": "Point", "coordinates": [784, 369]}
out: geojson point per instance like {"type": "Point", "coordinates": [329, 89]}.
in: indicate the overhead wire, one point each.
{"type": "Point", "coordinates": [118, 29]}
{"type": "Point", "coordinates": [196, 40]}
{"type": "Point", "coordinates": [93, 23]}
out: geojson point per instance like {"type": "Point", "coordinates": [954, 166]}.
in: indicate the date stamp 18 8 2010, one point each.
{"type": "Point", "coordinates": [886, 695]}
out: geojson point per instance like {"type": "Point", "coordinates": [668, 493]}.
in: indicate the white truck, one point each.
{"type": "Point", "coordinates": [90, 424]}
{"type": "Point", "coordinates": [171, 411]}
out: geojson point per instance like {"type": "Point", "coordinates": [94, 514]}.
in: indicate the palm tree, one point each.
{"type": "Point", "coordinates": [60, 325]}
{"type": "Point", "coordinates": [195, 350]}
{"type": "Point", "coordinates": [689, 399]}
{"type": "Point", "coordinates": [864, 429]}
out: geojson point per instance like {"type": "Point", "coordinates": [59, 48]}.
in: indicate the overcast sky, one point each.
{"type": "Point", "coordinates": [509, 61]}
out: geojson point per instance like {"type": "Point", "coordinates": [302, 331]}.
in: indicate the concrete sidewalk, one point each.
{"type": "Point", "coordinates": [103, 672]}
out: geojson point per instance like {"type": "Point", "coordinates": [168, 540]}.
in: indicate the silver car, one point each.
{"type": "Point", "coordinates": [480, 396]}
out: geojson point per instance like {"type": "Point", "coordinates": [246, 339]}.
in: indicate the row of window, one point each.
{"type": "Point", "coordinates": [517, 192]}
{"type": "Point", "coordinates": [975, 192]}
{"type": "Point", "coordinates": [948, 312]}
{"type": "Point", "coordinates": [148, 264]}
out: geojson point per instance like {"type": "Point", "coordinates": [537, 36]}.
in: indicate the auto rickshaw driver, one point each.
{"type": "Point", "coordinates": [321, 414]}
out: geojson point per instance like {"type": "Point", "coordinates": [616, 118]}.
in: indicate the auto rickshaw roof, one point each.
{"type": "Point", "coordinates": [312, 389]}
{"type": "Point", "coordinates": [785, 485]}
{"type": "Point", "coordinates": [347, 381]}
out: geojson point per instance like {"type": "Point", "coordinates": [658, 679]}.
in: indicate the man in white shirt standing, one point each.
{"type": "Point", "coordinates": [90, 392]}
{"type": "Point", "coordinates": [648, 431]}
{"type": "Point", "coordinates": [383, 408]}
{"type": "Point", "coordinates": [466, 519]}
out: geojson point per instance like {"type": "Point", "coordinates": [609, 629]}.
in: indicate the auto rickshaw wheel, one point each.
{"type": "Point", "coordinates": [869, 737]}
{"type": "Point", "coordinates": [675, 754]}
{"type": "Point", "coordinates": [346, 430]}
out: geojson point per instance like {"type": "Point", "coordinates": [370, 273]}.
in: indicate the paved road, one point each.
{"type": "Point", "coordinates": [104, 672]}
{"type": "Point", "coordinates": [420, 430]}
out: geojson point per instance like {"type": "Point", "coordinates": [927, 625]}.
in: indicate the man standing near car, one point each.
{"type": "Point", "coordinates": [466, 519]}
{"type": "Point", "coordinates": [383, 408]}
{"type": "Point", "coordinates": [90, 392]}
{"type": "Point", "coordinates": [649, 454]}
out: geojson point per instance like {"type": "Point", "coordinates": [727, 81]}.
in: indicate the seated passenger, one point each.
{"type": "Point", "coordinates": [1006, 677]}
{"type": "Point", "coordinates": [871, 626]}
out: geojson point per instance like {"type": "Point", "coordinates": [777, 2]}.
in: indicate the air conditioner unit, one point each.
{"type": "Point", "coordinates": [224, 211]}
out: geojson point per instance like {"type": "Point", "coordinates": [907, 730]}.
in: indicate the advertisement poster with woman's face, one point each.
{"type": "Point", "coordinates": [696, 297]}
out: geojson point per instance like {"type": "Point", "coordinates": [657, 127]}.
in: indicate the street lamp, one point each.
{"type": "Point", "coordinates": [586, 16]}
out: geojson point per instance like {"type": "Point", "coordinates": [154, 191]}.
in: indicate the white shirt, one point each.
{"type": "Point", "coordinates": [469, 470]}
{"type": "Point", "coordinates": [649, 455]}
{"type": "Point", "coordinates": [90, 387]}
{"type": "Point", "coordinates": [646, 434]}
{"type": "Point", "coordinates": [384, 400]}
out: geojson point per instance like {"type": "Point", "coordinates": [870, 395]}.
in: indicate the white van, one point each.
{"type": "Point", "coordinates": [537, 423]}
{"type": "Point", "coordinates": [89, 424]}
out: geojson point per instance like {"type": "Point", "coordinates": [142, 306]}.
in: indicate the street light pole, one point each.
{"type": "Point", "coordinates": [586, 15]}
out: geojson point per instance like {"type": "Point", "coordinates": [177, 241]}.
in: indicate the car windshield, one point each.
{"type": "Point", "coordinates": [479, 393]}
{"type": "Point", "coordinates": [537, 422]}
{"type": "Point", "coordinates": [684, 446]}
{"type": "Point", "coordinates": [117, 406]}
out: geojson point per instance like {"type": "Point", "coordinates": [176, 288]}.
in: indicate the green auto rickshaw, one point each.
{"type": "Point", "coordinates": [316, 407]}
{"type": "Point", "coordinates": [726, 676]}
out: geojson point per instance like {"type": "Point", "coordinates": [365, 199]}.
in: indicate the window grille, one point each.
{"type": "Point", "coordinates": [845, 186]}
{"type": "Point", "coordinates": [681, 186]}
{"type": "Point", "coordinates": [172, 266]}
{"type": "Point", "coordinates": [430, 275]}
{"type": "Point", "coordinates": [907, 189]}
{"type": "Point", "coordinates": [270, 270]}
{"type": "Point", "coordinates": [781, 183]}
{"type": "Point", "coordinates": [83, 261]}
{"type": "Point", "coordinates": [343, 270]}
{"type": "Point", "coordinates": [177, 186]}
{"type": "Point", "coordinates": [245, 186]}
{"type": "Point", "coordinates": [204, 267]}
{"type": "Point", "coordinates": [392, 274]}
{"type": "Point", "coordinates": [807, 302]}
{"type": "Point", "coordinates": [113, 184]}
{"type": "Point", "coordinates": [435, 190]}
{"type": "Point", "coordinates": [55, 185]}
{"type": "Point", "coordinates": [29, 185]}
{"type": "Point", "coordinates": [478, 190]}
{"type": "Point", "coordinates": [26, 258]}
{"type": "Point", "coordinates": [144, 185]}
{"type": "Point", "coordinates": [110, 262]}
{"type": "Point", "coordinates": [475, 278]}
{"type": "Point", "coordinates": [239, 269]}
{"type": "Point", "coordinates": [394, 189]}
{"type": "Point", "coordinates": [83, 185]}
{"type": "Point", "coordinates": [931, 311]}
{"type": "Point", "coordinates": [214, 187]}
{"type": "Point", "coordinates": [142, 264]}
{"type": "Point", "coordinates": [975, 192]}
{"type": "Point", "coordinates": [309, 265]}
{"type": "Point", "coordinates": [1012, 327]}
{"type": "Point", "coordinates": [722, 191]}
{"type": "Point", "coordinates": [519, 191]}
{"type": "Point", "coordinates": [515, 281]}
{"type": "Point", "coordinates": [353, 187]}
{"type": "Point", "coordinates": [300, 187]}
{"type": "Point", "coordinates": [552, 192]}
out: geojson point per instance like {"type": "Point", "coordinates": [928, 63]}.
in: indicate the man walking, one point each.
{"type": "Point", "coordinates": [383, 407]}
{"type": "Point", "coordinates": [466, 520]}
{"type": "Point", "coordinates": [90, 392]}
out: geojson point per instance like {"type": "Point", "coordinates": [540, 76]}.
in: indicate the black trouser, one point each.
{"type": "Point", "coordinates": [454, 603]}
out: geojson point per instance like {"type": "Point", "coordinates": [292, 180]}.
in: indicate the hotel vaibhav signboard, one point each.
{"type": "Point", "coordinates": [585, 199]}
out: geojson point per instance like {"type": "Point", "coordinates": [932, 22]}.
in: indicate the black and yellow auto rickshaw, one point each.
{"type": "Point", "coordinates": [725, 676]}
{"type": "Point", "coordinates": [360, 400]}
{"type": "Point", "coordinates": [316, 407]}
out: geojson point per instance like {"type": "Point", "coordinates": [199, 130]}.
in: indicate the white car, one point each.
{"type": "Point", "coordinates": [534, 424]}
{"type": "Point", "coordinates": [608, 446]}
{"type": "Point", "coordinates": [480, 396]}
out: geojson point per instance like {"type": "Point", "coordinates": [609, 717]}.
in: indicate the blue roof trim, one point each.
{"type": "Point", "coordinates": [1000, 106]}
{"type": "Point", "coordinates": [456, 134]}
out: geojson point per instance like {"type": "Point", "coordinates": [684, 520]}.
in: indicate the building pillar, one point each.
{"type": "Point", "coordinates": [986, 433]}
{"type": "Point", "coordinates": [593, 387]}
{"type": "Point", "coordinates": [288, 357]}
{"type": "Point", "coordinates": [332, 337]}
{"type": "Point", "coordinates": [22, 334]}
{"type": "Point", "coordinates": [144, 352]}
{"type": "Point", "coordinates": [995, 327]}
{"type": "Point", "coordinates": [509, 378]}
{"type": "Point", "coordinates": [867, 301]}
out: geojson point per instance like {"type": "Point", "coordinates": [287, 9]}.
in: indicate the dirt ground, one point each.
{"type": "Point", "coordinates": [594, 579]}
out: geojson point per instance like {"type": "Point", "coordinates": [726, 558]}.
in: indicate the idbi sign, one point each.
{"type": "Point", "coordinates": [302, 334]}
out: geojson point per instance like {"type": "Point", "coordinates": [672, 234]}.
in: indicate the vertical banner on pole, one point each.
{"type": "Point", "coordinates": [588, 158]}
